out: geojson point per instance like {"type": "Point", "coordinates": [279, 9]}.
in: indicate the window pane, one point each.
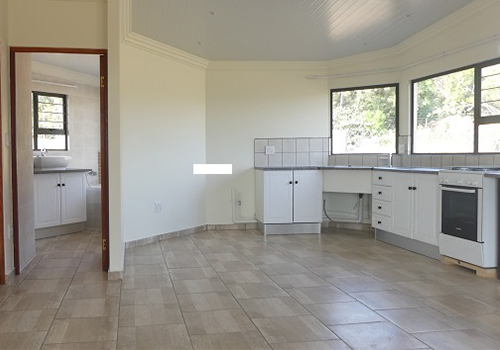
{"type": "Point", "coordinates": [51, 142]}
{"type": "Point", "coordinates": [49, 125]}
{"type": "Point", "coordinates": [50, 117]}
{"type": "Point", "coordinates": [490, 91]}
{"type": "Point", "coordinates": [489, 138]}
{"type": "Point", "coordinates": [444, 114]}
{"type": "Point", "coordinates": [364, 120]}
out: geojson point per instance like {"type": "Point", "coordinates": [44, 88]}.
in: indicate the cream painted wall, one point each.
{"type": "Point", "coordinates": [245, 104]}
{"type": "Point", "coordinates": [55, 23]}
{"type": "Point", "coordinates": [162, 133]}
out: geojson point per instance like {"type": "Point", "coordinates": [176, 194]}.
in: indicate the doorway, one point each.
{"type": "Point", "coordinates": [17, 135]}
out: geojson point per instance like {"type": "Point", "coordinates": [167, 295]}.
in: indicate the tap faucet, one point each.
{"type": "Point", "coordinates": [43, 152]}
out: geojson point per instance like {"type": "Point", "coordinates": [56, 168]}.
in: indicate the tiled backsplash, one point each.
{"type": "Point", "coordinates": [301, 151]}
{"type": "Point", "coordinates": [426, 161]}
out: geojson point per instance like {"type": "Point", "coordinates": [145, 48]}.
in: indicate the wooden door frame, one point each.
{"type": "Point", "coordinates": [2, 235]}
{"type": "Point", "coordinates": [104, 145]}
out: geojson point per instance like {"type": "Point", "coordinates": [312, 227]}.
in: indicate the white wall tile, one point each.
{"type": "Point", "coordinates": [471, 160]}
{"type": "Point", "coordinates": [289, 159]}
{"type": "Point", "coordinates": [496, 159]}
{"type": "Point", "coordinates": [436, 161]}
{"type": "Point", "coordinates": [486, 159]}
{"type": "Point", "coordinates": [397, 160]}
{"type": "Point", "coordinates": [289, 145]}
{"type": "Point", "coordinates": [277, 143]}
{"type": "Point", "coordinates": [406, 160]}
{"type": "Point", "coordinates": [370, 160]}
{"type": "Point", "coordinates": [315, 158]}
{"type": "Point", "coordinates": [426, 161]}
{"type": "Point", "coordinates": [459, 160]}
{"type": "Point", "coordinates": [303, 159]}
{"type": "Point", "coordinates": [355, 159]}
{"type": "Point", "coordinates": [332, 160]}
{"type": "Point", "coordinates": [383, 160]}
{"type": "Point", "coordinates": [446, 160]}
{"type": "Point", "coordinates": [416, 161]}
{"type": "Point", "coordinates": [260, 145]}
{"type": "Point", "coordinates": [316, 145]}
{"type": "Point", "coordinates": [342, 159]}
{"type": "Point", "coordinates": [325, 158]}
{"type": "Point", "coordinates": [261, 160]}
{"type": "Point", "coordinates": [275, 160]}
{"type": "Point", "coordinates": [326, 144]}
{"type": "Point", "coordinates": [302, 145]}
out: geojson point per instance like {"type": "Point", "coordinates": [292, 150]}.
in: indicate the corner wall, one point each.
{"type": "Point", "coordinates": [259, 100]}
{"type": "Point", "coordinates": [162, 133]}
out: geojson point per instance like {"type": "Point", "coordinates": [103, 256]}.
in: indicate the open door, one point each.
{"type": "Point", "coordinates": [104, 148]}
{"type": "Point", "coordinates": [104, 161]}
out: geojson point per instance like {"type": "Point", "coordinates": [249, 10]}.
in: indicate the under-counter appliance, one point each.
{"type": "Point", "coordinates": [469, 227]}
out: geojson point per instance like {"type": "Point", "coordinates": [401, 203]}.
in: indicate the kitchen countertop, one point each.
{"type": "Point", "coordinates": [356, 167]}
{"type": "Point", "coordinates": [66, 170]}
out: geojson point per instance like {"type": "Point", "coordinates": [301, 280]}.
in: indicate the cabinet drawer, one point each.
{"type": "Point", "coordinates": [382, 193]}
{"type": "Point", "coordinates": [381, 208]}
{"type": "Point", "coordinates": [383, 178]}
{"type": "Point", "coordinates": [381, 222]}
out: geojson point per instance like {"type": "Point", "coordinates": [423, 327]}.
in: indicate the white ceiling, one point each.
{"type": "Point", "coordinates": [285, 29]}
{"type": "Point", "coordinates": [86, 64]}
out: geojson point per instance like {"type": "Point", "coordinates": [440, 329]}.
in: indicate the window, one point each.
{"type": "Point", "coordinates": [364, 119]}
{"type": "Point", "coordinates": [458, 111]}
{"type": "Point", "coordinates": [50, 125]}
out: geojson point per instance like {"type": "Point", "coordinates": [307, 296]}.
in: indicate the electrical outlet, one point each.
{"type": "Point", "coordinates": [270, 149]}
{"type": "Point", "coordinates": [158, 206]}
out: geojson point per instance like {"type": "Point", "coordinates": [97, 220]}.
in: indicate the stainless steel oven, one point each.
{"type": "Point", "coordinates": [461, 212]}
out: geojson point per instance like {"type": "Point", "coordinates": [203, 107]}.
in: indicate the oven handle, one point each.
{"type": "Point", "coordinates": [455, 189]}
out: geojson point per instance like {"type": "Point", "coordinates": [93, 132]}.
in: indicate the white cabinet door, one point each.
{"type": "Point", "coordinates": [47, 200]}
{"type": "Point", "coordinates": [402, 200]}
{"type": "Point", "coordinates": [426, 199]}
{"type": "Point", "coordinates": [308, 196]}
{"type": "Point", "coordinates": [278, 195]}
{"type": "Point", "coordinates": [73, 198]}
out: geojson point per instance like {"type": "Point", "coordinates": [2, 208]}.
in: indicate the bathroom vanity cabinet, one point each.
{"type": "Point", "coordinates": [60, 198]}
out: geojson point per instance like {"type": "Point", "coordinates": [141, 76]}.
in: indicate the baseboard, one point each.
{"type": "Point", "coordinates": [429, 250]}
{"type": "Point", "coordinates": [59, 230]}
{"type": "Point", "coordinates": [290, 229]}
{"type": "Point", "coordinates": [115, 275]}
{"type": "Point", "coordinates": [189, 231]}
{"type": "Point", "coordinates": [347, 225]}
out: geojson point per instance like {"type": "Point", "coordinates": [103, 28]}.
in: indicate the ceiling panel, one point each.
{"type": "Point", "coordinates": [285, 29]}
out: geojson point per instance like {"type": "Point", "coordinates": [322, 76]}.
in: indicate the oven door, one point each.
{"type": "Point", "coordinates": [461, 210]}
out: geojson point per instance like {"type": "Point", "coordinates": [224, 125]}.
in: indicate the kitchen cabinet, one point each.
{"type": "Point", "coordinates": [60, 199]}
{"type": "Point", "coordinates": [289, 196]}
{"type": "Point", "coordinates": [382, 200]}
{"type": "Point", "coordinates": [415, 206]}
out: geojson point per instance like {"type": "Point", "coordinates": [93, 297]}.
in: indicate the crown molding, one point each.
{"type": "Point", "coordinates": [66, 74]}
{"type": "Point", "coordinates": [156, 47]}
{"type": "Point", "coordinates": [320, 66]}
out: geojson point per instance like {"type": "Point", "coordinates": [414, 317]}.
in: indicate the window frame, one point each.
{"type": "Point", "coordinates": [478, 120]}
{"type": "Point", "coordinates": [365, 87]}
{"type": "Point", "coordinates": [36, 129]}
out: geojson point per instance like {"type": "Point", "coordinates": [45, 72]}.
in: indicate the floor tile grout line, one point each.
{"type": "Point", "coordinates": [70, 283]}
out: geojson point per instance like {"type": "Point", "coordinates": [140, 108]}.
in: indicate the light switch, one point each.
{"type": "Point", "coordinates": [270, 150]}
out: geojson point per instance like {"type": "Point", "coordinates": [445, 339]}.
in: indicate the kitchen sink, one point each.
{"type": "Point", "coordinates": [51, 162]}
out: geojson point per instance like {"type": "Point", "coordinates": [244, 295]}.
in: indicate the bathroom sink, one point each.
{"type": "Point", "coordinates": [51, 162]}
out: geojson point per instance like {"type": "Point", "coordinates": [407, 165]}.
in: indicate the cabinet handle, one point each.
{"type": "Point", "coordinates": [63, 184]}
{"type": "Point", "coordinates": [379, 208]}
{"type": "Point", "coordinates": [379, 222]}
{"type": "Point", "coordinates": [414, 188]}
{"type": "Point", "coordinates": [290, 182]}
{"type": "Point", "coordinates": [379, 192]}
{"type": "Point", "coordinates": [58, 185]}
{"type": "Point", "coordinates": [380, 177]}
{"type": "Point", "coordinates": [410, 188]}
{"type": "Point", "coordinates": [296, 182]}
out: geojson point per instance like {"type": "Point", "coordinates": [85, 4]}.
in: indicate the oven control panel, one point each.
{"type": "Point", "coordinates": [462, 179]}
